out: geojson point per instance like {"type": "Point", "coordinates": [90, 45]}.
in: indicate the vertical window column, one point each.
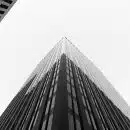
{"type": "Point", "coordinates": [73, 112]}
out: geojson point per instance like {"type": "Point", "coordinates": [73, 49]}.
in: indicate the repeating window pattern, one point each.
{"type": "Point", "coordinates": [5, 5]}
{"type": "Point", "coordinates": [28, 109]}
{"type": "Point", "coordinates": [14, 105]}
{"type": "Point", "coordinates": [51, 100]}
{"type": "Point", "coordinates": [73, 112]}
{"type": "Point", "coordinates": [36, 106]}
{"type": "Point", "coordinates": [100, 112]}
{"type": "Point", "coordinates": [92, 95]}
{"type": "Point", "coordinates": [87, 104]}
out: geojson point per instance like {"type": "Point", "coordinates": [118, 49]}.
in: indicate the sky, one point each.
{"type": "Point", "coordinates": [100, 29]}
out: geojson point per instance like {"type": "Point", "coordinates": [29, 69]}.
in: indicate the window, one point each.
{"type": "Point", "coordinates": [72, 82]}
{"type": "Point", "coordinates": [41, 102]}
{"type": "Point", "coordinates": [37, 105]}
{"type": "Point", "coordinates": [71, 74]}
{"type": "Point", "coordinates": [50, 122]}
{"type": "Point", "coordinates": [73, 92]}
{"type": "Point", "coordinates": [44, 125]}
{"type": "Point", "coordinates": [3, 6]}
{"type": "Point", "coordinates": [68, 79]}
{"type": "Point", "coordinates": [97, 113]}
{"type": "Point", "coordinates": [55, 87]}
{"type": "Point", "coordinates": [30, 125]}
{"type": "Point", "coordinates": [50, 92]}
{"type": "Point", "coordinates": [54, 75]}
{"type": "Point", "coordinates": [1, 12]}
{"type": "Point", "coordinates": [52, 82]}
{"type": "Point", "coordinates": [57, 78]}
{"type": "Point", "coordinates": [69, 102]}
{"type": "Point", "coordinates": [53, 102]}
{"type": "Point", "coordinates": [58, 71]}
{"type": "Point", "coordinates": [8, 1]}
{"type": "Point", "coordinates": [88, 118]}
{"type": "Point", "coordinates": [84, 92]}
{"type": "Point", "coordinates": [75, 107]}
{"type": "Point", "coordinates": [93, 122]}
{"type": "Point", "coordinates": [36, 118]}
{"type": "Point", "coordinates": [80, 90]}
{"type": "Point", "coordinates": [47, 108]}
{"type": "Point", "coordinates": [83, 101]}
{"type": "Point", "coordinates": [68, 87]}
{"type": "Point", "coordinates": [71, 122]}
{"type": "Point", "coordinates": [81, 84]}
{"type": "Point", "coordinates": [67, 71]}
{"type": "Point", "coordinates": [88, 105]}
{"type": "Point", "coordinates": [78, 127]}
{"type": "Point", "coordinates": [67, 65]}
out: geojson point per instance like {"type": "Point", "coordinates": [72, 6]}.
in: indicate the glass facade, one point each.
{"type": "Point", "coordinates": [60, 95]}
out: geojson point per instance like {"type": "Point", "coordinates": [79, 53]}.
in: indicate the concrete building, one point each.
{"type": "Point", "coordinates": [5, 6]}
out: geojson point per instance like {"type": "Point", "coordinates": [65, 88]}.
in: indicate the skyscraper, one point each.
{"type": "Point", "coordinates": [5, 6]}
{"type": "Point", "coordinates": [66, 92]}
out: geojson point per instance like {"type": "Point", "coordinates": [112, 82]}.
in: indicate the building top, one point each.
{"type": "Point", "coordinates": [65, 46]}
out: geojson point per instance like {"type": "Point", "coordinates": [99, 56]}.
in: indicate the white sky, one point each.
{"type": "Point", "coordinates": [99, 28]}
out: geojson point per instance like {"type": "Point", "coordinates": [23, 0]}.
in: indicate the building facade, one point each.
{"type": "Point", "coordinates": [66, 92]}
{"type": "Point", "coordinates": [5, 6]}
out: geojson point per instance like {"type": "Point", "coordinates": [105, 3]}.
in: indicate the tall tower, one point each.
{"type": "Point", "coordinates": [66, 92]}
{"type": "Point", "coordinates": [5, 6]}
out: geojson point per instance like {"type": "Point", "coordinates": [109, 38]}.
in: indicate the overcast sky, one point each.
{"type": "Point", "coordinates": [99, 28]}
